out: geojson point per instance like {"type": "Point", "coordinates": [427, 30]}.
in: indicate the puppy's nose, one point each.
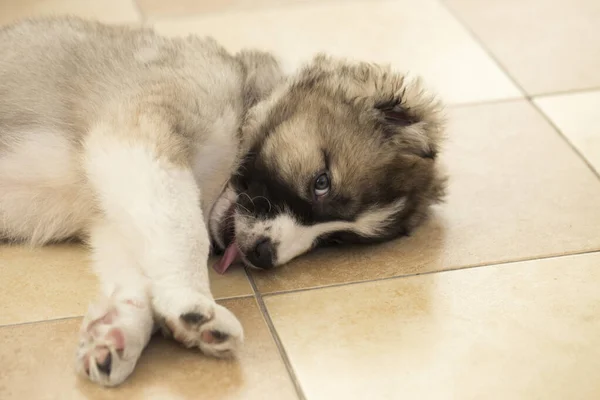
{"type": "Point", "coordinates": [262, 254]}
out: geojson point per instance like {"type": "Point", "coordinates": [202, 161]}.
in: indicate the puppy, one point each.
{"type": "Point", "coordinates": [154, 150]}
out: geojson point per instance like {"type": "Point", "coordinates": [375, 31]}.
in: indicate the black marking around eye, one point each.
{"type": "Point", "coordinates": [258, 182]}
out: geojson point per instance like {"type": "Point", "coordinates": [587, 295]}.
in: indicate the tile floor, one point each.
{"type": "Point", "coordinates": [496, 297]}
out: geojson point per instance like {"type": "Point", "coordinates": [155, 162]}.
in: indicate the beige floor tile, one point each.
{"type": "Point", "coordinates": [56, 281]}
{"type": "Point", "coordinates": [112, 11]}
{"type": "Point", "coordinates": [521, 331]}
{"type": "Point", "coordinates": [44, 283]}
{"type": "Point", "coordinates": [517, 191]}
{"type": "Point", "coordinates": [420, 37]}
{"type": "Point", "coordinates": [225, 286]}
{"type": "Point", "coordinates": [546, 45]}
{"type": "Point", "coordinates": [576, 115]}
{"type": "Point", "coordinates": [37, 364]}
{"type": "Point", "coordinates": [177, 8]}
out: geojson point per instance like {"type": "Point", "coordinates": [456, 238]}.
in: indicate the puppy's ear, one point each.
{"type": "Point", "coordinates": [395, 114]}
{"type": "Point", "coordinates": [411, 120]}
{"type": "Point", "coordinates": [402, 110]}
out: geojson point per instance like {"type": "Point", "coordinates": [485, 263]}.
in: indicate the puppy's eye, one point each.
{"type": "Point", "coordinates": [322, 185]}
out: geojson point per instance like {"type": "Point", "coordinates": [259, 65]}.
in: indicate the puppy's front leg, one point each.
{"type": "Point", "coordinates": [145, 185]}
{"type": "Point", "coordinates": [118, 325]}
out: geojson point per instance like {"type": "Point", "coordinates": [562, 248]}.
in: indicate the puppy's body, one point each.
{"type": "Point", "coordinates": [118, 135]}
{"type": "Point", "coordinates": [62, 78]}
{"type": "Point", "coordinates": [150, 147]}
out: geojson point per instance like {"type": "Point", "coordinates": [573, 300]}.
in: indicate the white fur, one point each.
{"type": "Point", "coordinates": [42, 201]}
{"type": "Point", "coordinates": [147, 53]}
{"type": "Point", "coordinates": [293, 239]}
{"type": "Point", "coordinates": [123, 308]}
{"type": "Point", "coordinates": [149, 241]}
{"type": "Point", "coordinates": [154, 203]}
{"type": "Point", "coordinates": [151, 249]}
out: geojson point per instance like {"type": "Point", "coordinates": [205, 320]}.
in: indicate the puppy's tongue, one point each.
{"type": "Point", "coordinates": [232, 253]}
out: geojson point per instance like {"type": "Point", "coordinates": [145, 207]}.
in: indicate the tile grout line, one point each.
{"type": "Point", "coordinates": [522, 97]}
{"type": "Point", "coordinates": [275, 336]}
{"type": "Point", "coordinates": [516, 99]}
{"type": "Point", "coordinates": [565, 138]}
{"type": "Point", "coordinates": [388, 278]}
{"type": "Point", "coordinates": [239, 296]}
{"type": "Point", "coordinates": [483, 47]}
{"type": "Point", "coordinates": [40, 321]}
{"type": "Point", "coordinates": [567, 92]}
{"type": "Point", "coordinates": [515, 82]}
{"type": "Point", "coordinates": [486, 102]}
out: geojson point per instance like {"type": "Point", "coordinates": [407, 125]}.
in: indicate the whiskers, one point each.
{"type": "Point", "coordinates": [228, 222]}
{"type": "Point", "coordinates": [251, 199]}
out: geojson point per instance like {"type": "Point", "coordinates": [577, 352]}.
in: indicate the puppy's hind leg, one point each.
{"type": "Point", "coordinates": [119, 324]}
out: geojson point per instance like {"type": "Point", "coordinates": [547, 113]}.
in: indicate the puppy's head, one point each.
{"type": "Point", "coordinates": [341, 153]}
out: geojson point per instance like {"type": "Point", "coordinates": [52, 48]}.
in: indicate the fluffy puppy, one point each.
{"type": "Point", "coordinates": [152, 148]}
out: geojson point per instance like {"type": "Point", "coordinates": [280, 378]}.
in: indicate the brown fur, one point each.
{"type": "Point", "coordinates": [379, 133]}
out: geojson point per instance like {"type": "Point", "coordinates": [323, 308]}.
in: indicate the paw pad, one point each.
{"type": "Point", "coordinates": [105, 366]}
{"type": "Point", "coordinates": [193, 318]}
{"type": "Point", "coordinates": [214, 337]}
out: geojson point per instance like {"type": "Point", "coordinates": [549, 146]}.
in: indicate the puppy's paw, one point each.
{"type": "Point", "coordinates": [113, 335]}
{"type": "Point", "coordinates": [198, 321]}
